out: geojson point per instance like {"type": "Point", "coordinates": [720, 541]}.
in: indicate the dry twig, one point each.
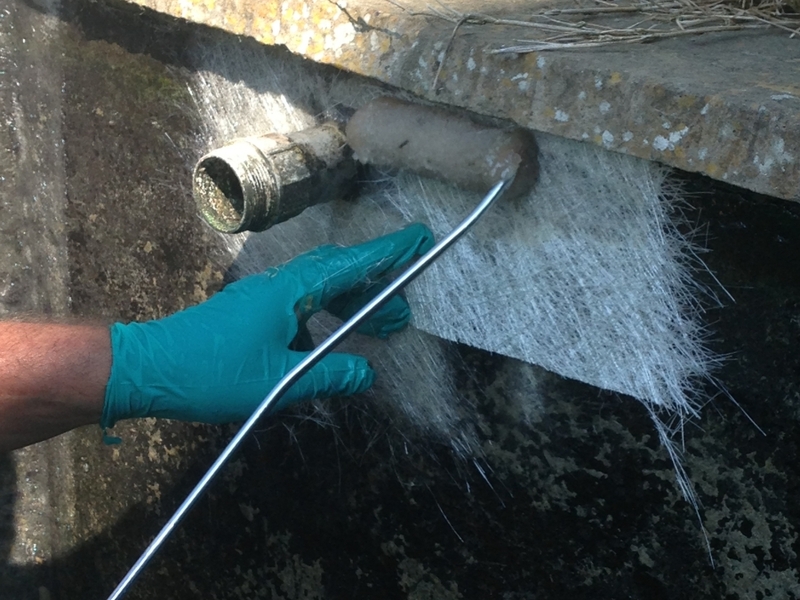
{"type": "Point", "coordinates": [570, 28]}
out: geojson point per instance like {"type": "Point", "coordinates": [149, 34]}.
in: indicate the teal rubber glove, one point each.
{"type": "Point", "coordinates": [215, 362]}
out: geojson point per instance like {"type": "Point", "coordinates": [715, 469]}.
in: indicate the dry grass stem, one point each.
{"type": "Point", "coordinates": [570, 27]}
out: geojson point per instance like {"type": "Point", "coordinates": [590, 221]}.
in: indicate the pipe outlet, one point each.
{"type": "Point", "coordinates": [256, 182]}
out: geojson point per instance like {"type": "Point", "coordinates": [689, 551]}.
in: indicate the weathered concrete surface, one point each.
{"type": "Point", "coordinates": [725, 105]}
{"type": "Point", "coordinates": [83, 160]}
{"type": "Point", "coordinates": [33, 271]}
{"type": "Point", "coordinates": [579, 502]}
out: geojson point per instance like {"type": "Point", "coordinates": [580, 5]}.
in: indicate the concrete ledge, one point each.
{"type": "Point", "coordinates": [725, 105]}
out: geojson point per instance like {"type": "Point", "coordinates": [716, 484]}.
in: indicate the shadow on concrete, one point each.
{"type": "Point", "coordinates": [581, 504]}
{"type": "Point", "coordinates": [8, 491]}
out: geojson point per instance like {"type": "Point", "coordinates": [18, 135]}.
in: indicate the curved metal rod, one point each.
{"type": "Point", "coordinates": [297, 372]}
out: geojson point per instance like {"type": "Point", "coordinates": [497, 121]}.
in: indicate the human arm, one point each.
{"type": "Point", "coordinates": [52, 379]}
{"type": "Point", "coordinates": [213, 362]}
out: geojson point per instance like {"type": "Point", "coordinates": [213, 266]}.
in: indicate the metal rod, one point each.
{"type": "Point", "coordinates": [297, 372]}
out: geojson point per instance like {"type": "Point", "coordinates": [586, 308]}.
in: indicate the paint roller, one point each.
{"type": "Point", "coordinates": [255, 183]}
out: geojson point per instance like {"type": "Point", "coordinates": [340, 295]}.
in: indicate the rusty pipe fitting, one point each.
{"type": "Point", "coordinates": [256, 182]}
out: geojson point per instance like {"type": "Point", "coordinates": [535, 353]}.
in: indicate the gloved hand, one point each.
{"type": "Point", "coordinates": [215, 362]}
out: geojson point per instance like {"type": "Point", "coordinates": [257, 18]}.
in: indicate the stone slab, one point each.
{"type": "Point", "coordinates": [725, 105]}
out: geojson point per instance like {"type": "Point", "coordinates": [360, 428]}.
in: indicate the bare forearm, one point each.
{"type": "Point", "coordinates": [52, 379]}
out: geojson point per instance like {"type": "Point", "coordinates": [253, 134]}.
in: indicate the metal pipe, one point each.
{"type": "Point", "coordinates": [298, 371]}
{"type": "Point", "coordinates": [254, 183]}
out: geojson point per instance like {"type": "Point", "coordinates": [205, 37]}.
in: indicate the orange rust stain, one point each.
{"type": "Point", "coordinates": [261, 29]}
{"type": "Point", "coordinates": [264, 38]}
{"type": "Point", "coordinates": [268, 11]}
{"type": "Point", "coordinates": [237, 23]}
{"type": "Point", "coordinates": [318, 16]}
{"type": "Point", "coordinates": [529, 62]}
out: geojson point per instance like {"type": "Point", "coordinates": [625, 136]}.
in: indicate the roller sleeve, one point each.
{"type": "Point", "coordinates": [444, 145]}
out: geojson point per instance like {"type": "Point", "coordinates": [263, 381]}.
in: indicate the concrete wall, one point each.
{"type": "Point", "coordinates": [579, 502]}
{"type": "Point", "coordinates": [721, 104]}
